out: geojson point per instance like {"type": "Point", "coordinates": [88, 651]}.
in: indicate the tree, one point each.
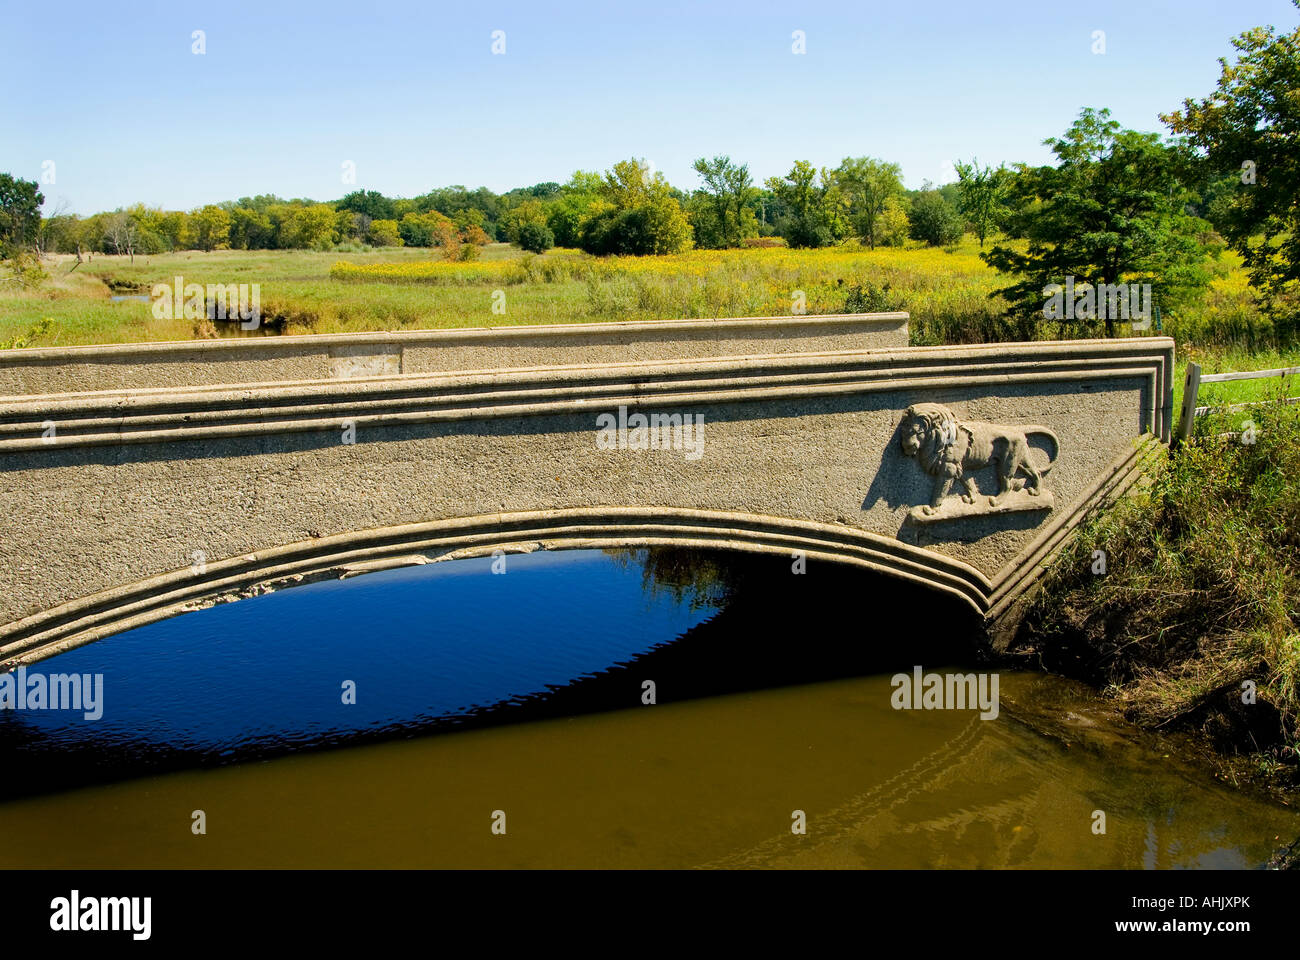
{"type": "Point", "coordinates": [446, 237]}
{"type": "Point", "coordinates": [20, 213]}
{"type": "Point", "coordinates": [529, 211]}
{"type": "Point", "coordinates": [892, 224]}
{"type": "Point", "coordinates": [635, 214]}
{"type": "Point", "coordinates": [383, 233]}
{"type": "Point", "coordinates": [149, 225]}
{"type": "Point", "coordinates": [571, 205]}
{"type": "Point", "coordinates": [452, 200]}
{"type": "Point", "coordinates": [305, 226]}
{"type": "Point", "coordinates": [372, 203]}
{"type": "Point", "coordinates": [211, 227]}
{"type": "Point", "coordinates": [59, 233]}
{"type": "Point", "coordinates": [120, 233]}
{"type": "Point", "coordinates": [868, 184]}
{"type": "Point", "coordinates": [417, 229]}
{"type": "Point", "coordinates": [728, 190]}
{"type": "Point", "coordinates": [934, 220]}
{"type": "Point", "coordinates": [980, 191]}
{"type": "Point", "coordinates": [1249, 127]}
{"type": "Point", "coordinates": [174, 227]}
{"type": "Point", "coordinates": [250, 229]}
{"type": "Point", "coordinates": [1112, 210]}
{"type": "Point", "coordinates": [807, 222]}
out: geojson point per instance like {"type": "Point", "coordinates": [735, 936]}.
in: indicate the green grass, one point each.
{"type": "Point", "coordinates": [947, 292]}
{"type": "Point", "coordinates": [1235, 360]}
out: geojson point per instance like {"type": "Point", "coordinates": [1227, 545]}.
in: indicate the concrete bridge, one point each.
{"type": "Point", "coordinates": [140, 481]}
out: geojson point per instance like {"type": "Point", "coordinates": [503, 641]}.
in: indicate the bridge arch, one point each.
{"type": "Point", "coordinates": [127, 606]}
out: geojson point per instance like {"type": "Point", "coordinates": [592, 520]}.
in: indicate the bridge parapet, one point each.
{"type": "Point", "coordinates": [279, 359]}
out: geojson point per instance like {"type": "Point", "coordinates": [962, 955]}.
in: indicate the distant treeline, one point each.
{"type": "Point", "coordinates": [626, 210]}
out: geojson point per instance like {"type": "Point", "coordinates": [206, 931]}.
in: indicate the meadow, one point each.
{"type": "Point", "coordinates": [946, 291]}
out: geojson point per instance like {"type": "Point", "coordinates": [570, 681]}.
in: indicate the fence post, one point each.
{"type": "Point", "coordinates": [1191, 387]}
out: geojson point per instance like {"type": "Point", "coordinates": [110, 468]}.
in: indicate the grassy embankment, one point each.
{"type": "Point", "coordinates": [1201, 593]}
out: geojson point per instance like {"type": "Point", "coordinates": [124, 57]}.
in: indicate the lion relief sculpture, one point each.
{"type": "Point", "coordinates": [952, 451]}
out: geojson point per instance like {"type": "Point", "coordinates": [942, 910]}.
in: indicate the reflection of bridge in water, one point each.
{"type": "Point", "coordinates": [140, 481]}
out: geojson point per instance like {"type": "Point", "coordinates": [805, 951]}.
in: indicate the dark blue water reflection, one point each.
{"type": "Point", "coordinates": [422, 644]}
{"type": "Point", "coordinates": [452, 645]}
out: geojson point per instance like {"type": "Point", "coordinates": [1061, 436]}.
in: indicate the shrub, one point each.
{"type": "Point", "coordinates": [445, 236]}
{"type": "Point", "coordinates": [868, 298]}
{"type": "Point", "coordinates": [934, 220]}
{"type": "Point", "coordinates": [536, 237]}
{"type": "Point", "coordinates": [26, 270]}
{"type": "Point", "coordinates": [25, 340]}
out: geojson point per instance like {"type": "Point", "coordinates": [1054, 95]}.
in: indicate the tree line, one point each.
{"type": "Point", "coordinates": [627, 210]}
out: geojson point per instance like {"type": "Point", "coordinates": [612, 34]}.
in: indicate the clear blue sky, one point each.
{"type": "Point", "coordinates": [412, 94]}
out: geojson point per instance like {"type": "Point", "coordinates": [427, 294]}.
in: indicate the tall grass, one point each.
{"type": "Point", "coordinates": [1201, 589]}
{"type": "Point", "coordinates": [950, 294]}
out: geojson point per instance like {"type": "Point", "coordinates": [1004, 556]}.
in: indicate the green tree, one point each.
{"type": "Point", "coordinates": [384, 233]}
{"type": "Point", "coordinates": [372, 203]}
{"type": "Point", "coordinates": [807, 221]}
{"type": "Point", "coordinates": [149, 223]}
{"type": "Point", "coordinates": [60, 233]}
{"type": "Point", "coordinates": [980, 192]}
{"type": "Point", "coordinates": [211, 227]}
{"type": "Point", "coordinates": [528, 211]}
{"type": "Point", "coordinates": [174, 226]}
{"type": "Point", "coordinates": [417, 229]}
{"type": "Point", "coordinates": [934, 220]}
{"type": "Point", "coordinates": [1249, 128]}
{"type": "Point", "coordinates": [306, 226]}
{"type": "Point", "coordinates": [1111, 211]}
{"type": "Point", "coordinates": [728, 191]}
{"type": "Point", "coordinates": [20, 213]}
{"type": "Point", "coordinates": [892, 224]}
{"type": "Point", "coordinates": [635, 214]}
{"type": "Point", "coordinates": [571, 205]}
{"type": "Point", "coordinates": [868, 184]}
{"type": "Point", "coordinates": [250, 229]}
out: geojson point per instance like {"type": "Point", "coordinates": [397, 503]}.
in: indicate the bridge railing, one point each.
{"type": "Point", "coordinates": [1192, 386]}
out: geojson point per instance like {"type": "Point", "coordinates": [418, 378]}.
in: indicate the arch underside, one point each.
{"type": "Point", "coordinates": [125, 607]}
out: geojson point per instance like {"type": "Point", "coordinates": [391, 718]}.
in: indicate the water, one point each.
{"type": "Point", "coordinates": [772, 696]}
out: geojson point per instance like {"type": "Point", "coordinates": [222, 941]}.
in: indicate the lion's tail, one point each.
{"type": "Point", "coordinates": [1050, 434]}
